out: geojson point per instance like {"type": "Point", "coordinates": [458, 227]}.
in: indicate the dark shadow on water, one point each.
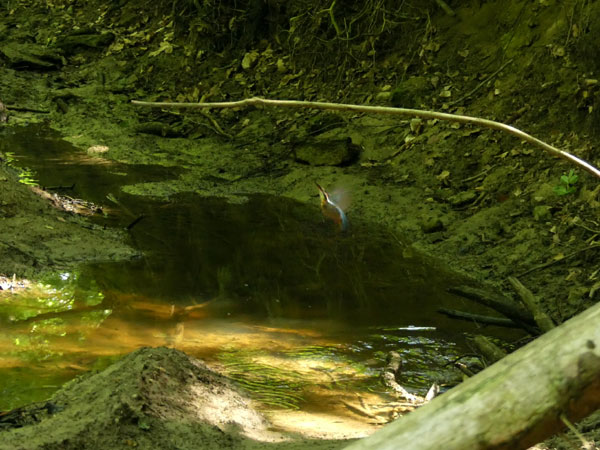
{"type": "Point", "coordinates": [275, 257]}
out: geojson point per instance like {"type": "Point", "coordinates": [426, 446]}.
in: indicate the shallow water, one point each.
{"type": "Point", "coordinates": [298, 314]}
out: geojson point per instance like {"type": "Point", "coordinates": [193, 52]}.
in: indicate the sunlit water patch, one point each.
{"type": "Point", "coordinates": [299, 315]}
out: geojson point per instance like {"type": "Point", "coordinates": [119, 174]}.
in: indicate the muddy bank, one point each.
{"type": "Point", "coordinates": [39, 236]}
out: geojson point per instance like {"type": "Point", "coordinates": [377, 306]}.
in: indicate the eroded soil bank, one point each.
{"type": "Point", "coordinates": [487, 204]}
{"type": "Point", "coordinates": [152, 398]}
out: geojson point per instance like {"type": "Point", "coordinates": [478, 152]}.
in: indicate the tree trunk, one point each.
{"type": "Point", "coordinates": [514, 403]}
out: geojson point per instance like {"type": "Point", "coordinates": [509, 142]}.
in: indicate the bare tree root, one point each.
{"type": "Point", "coordinates": [255, 101]}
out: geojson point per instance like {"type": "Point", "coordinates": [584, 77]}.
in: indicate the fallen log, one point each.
{"type": "Point", "coordinates": [514, 403]}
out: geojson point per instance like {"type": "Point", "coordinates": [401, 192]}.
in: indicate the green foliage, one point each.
{"type": "Point", "coordinates": [567, 184]}
{"type": "Point", "coordinates": [26, 176]}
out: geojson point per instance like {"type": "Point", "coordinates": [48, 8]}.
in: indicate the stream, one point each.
{"type": "Point", "coordinates": [299, 315]}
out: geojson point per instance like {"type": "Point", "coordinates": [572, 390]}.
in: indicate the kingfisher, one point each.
{"type": "Point", "coordinates": [331, 209]}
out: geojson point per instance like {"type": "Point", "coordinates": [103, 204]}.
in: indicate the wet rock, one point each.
{"type": "Point", "coordinates": [338, 152]}
{"type": "Point", "coordinates": [30, 56]}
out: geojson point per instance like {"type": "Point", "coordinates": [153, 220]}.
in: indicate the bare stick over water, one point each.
{"type": "Point", "coordinates": [256, 101]}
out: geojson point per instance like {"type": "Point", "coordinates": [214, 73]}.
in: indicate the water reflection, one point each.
{"type": "Point", "coordinates": [311, 365]}
{"type": "Point", "coordinates": [275, 257]}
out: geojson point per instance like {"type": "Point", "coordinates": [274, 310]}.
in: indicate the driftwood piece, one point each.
{"type": "Point", "coordinates": [504, 305]}
{"type": "Point", "coordinates": [512, 404]}
{"type": "Point", "coordinates": [478, 318]}
{"type": "Point", "coordinates": [542, 319]}
{"type": "Point", "coordinates": [488, 349]}
{"type": "Point", "coordinates": [433, 391]}
{"type": "Point", "coordinates": [391, 372]}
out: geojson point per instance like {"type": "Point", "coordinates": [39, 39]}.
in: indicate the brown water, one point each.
{"type": "Point", "coordinates": [300, 315]}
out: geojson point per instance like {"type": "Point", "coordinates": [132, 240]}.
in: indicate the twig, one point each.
{"type": "Point", "coordinates": [60, 188]}
{"type": "Point", "coordinates": [329, 10]}
{"type": "Point", "coordinates": [479, 175]}
{"type": "Point", "coordinates": [542, 319]}
{"type": "Point", "coordinates": [60, 314]}
{"type": "Point", "coordinates": [483, 83]}
{"type": "Point", "coordinates": [498, 302]}
{"type": "Point", "coordinates": [478, 318]}
{"type": "Point", "coordinates": [134, 222]}
{"type": "Point", "coordinates": [464, 369]}
{"type": "Point", "coordinates": [591, 230]}
{"type": "Point", "coordinates": [556, 261]}
{"type": "Point", "coordinates": [442, 4]}
{"type": "Point", "coordinates": [216, 125]}
{"type": "Point", "coordinates": [254, 101]}
{"type": "Point", "coordinates": [361, 411]}
{"type": "Point", "coordinates": [400, 150]}
{"type": "Point", "coordinates": [585, 444]}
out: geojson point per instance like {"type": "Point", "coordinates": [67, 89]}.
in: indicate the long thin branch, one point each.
{"type": "Point", "coordinates": [254, 101]}
{"type": "Point", "coordinates": [478, 318]}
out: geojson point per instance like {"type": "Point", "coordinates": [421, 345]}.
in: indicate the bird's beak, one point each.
{"type": "Point", "coordinates": [324, 196]}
